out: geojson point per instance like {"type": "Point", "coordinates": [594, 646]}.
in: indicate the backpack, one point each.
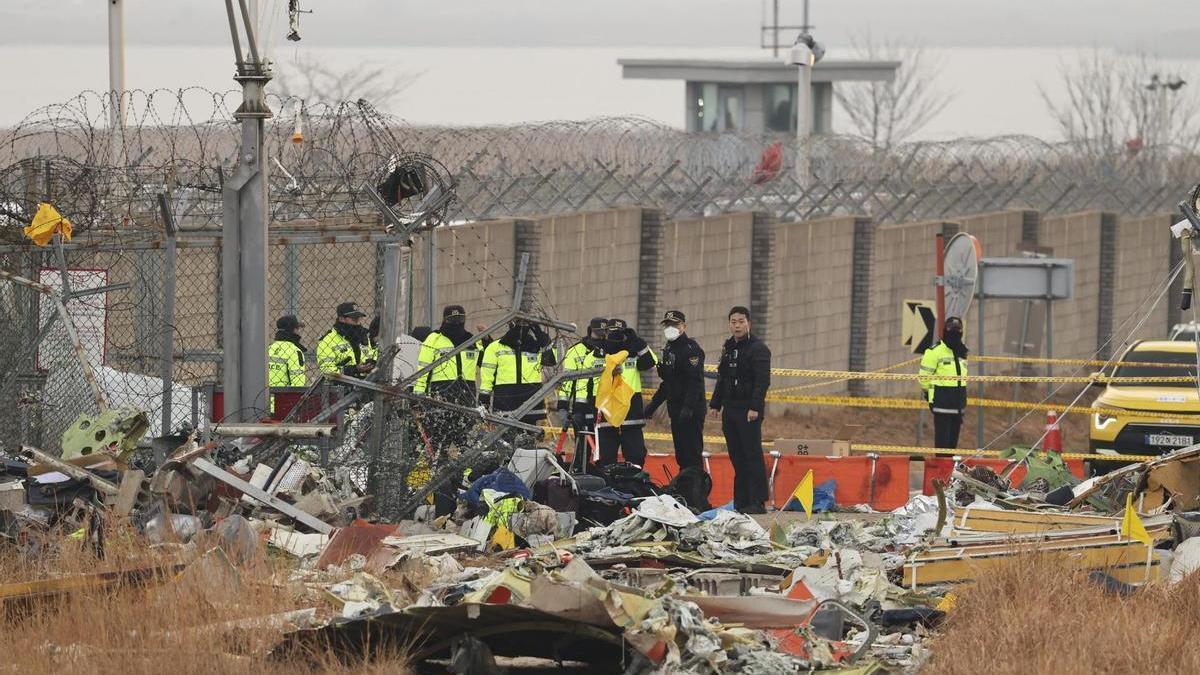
{"type": "Point", "coordinates": [692, 487]}
{"type": "Point", "coordinates": [629, 478]}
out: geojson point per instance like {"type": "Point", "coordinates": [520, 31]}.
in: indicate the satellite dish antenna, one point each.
{"type": "Point", "coordinates": [961, 271]}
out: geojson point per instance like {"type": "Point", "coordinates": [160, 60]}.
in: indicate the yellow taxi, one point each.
{"type": "Point", "coordinates": [1161, 414]}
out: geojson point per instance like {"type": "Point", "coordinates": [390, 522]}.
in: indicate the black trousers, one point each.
{"type": "Point", "coordinates": [688, 437]}
{"type": "Point", "coordinates": [945, 429]}
{"type": "Point", "coordinates": [628, 439]}
{"type": "Point", "coordinates": [744, 441]}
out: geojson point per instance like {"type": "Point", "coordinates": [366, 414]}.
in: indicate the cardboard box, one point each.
{"type": "Point", "coordinates": [812, 447]}
{"type": "Point", "coordinates": [838, 446]}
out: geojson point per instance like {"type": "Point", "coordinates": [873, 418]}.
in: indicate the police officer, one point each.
{"type": "Point", "coordinates": [946, 392]}
{"type": "Point", "coordinates": [739, 398]}
{"type": "Point", "coordinates": [285, 356]}
{"type": "Point", "coordinates": [344, 348]}
{"type": "Point", "coordinates": [511, 370]}
{"type": "Point", "coordinates": [453, 380]}
{"type": "Point", "coordinates": [682, 388]}
{"type": "Point", "coordinates": [577, 398]}
{"type": "Point", "coordinates": [629, 438]}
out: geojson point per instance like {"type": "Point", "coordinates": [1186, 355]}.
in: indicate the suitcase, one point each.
{"type": "Point", "coordinates": [556, 492]}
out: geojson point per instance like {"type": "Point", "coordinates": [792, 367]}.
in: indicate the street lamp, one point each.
{"type": "Point", "coordinates": [805, 54]}
{"type": "Point", "coordinates": [1162, 86]}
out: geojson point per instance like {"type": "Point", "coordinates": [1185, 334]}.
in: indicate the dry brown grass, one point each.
{"type": "Point", "coordinates": [1034, 616]}
{"type": "Point", "coordinates": [174, 625]}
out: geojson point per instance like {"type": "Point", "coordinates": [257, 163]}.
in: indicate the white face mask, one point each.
{"type": "Point", "coordinates": [671, 332]}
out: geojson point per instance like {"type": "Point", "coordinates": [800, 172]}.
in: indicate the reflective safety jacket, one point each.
{"type": "Point", "coordinates": [285, 365]}
{"type": "Point", "coordinates": [946, 391]}
{"type": "Point", "coordinates": [336, 354]}
{"type": "Point", "coordinates": [580, 357]}
{"type": "Point", "coordinates": [461, 367]}
{"type": "Point", "coordinates": [631, 371]}
{"type": "Point", "coordinates": [504, 365]}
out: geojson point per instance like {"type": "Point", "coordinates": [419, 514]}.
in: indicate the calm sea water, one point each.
{"type": "Point", "coordinates": [996, 91]}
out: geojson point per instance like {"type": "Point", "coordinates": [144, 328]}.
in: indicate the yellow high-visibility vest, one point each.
{"type": "Point", "coordinates": [947, 390]}
{"type": "Point", "coordinates": [462, 367]}
{"type": "Point", "coordinates": [580, 357]}
{"type": "Point", "coordinates": [504, 365]}
{"type": "Point", "coordinates": [335, 352]}
{"type": "Point", "coordinates": [285, 365]}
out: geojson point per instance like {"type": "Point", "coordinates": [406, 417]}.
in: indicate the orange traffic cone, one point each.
{"type": "Point", "coordinates": [1053, 438]}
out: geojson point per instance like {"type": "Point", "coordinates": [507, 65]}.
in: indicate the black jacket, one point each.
{"type": "Point", "coordinates": [743, 376]}
{"type": "Point", "coordinates": [682, 373]}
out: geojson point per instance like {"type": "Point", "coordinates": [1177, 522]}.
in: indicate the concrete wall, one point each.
{"type": "Point", "coordinates": [1076, 236]}
{"type": "Point", "coordinates": [588, 265]}
{"type": "Point", "coordinates": [904, 268]}
{"type": "Point", "coordinates": [1142, 262]}
{"type": "Point", "coordinates": [475, 268]}
{"type": "Point", "coordinates": [810, 296]}
{"type": "Point", "coordinates": [706, 270]}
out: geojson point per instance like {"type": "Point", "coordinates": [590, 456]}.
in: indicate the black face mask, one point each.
{"type": "Point", "coordinates": [954, 340]}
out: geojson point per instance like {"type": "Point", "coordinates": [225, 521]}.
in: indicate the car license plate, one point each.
{"type": "Point", "coordinates": [1169, 440]}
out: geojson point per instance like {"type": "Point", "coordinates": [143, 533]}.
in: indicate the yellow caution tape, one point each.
{"type": "Point", "coordinates": [968, 453]}
{"type": "Point", "coordinates": [916, 404]}
{"type": "Point", "coordinates": [904, 377]}
{"type": "Point", "coordinates": [1072, 362]}
{"type": "Point", "coordinates": [965, 453]}
{"type": "Point", "coordinates": [814, 385]}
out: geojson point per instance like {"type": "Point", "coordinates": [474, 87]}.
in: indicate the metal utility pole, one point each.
{"type": "Point", "coordinates": [244, 233]}
{"type": "Point", "coordinates": [806, 52]}
{"type": "Point", "coordinates": [116, 79]}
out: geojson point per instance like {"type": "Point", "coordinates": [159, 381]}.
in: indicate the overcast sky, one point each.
{"type": "Point", "coordinates": [1166, 27]}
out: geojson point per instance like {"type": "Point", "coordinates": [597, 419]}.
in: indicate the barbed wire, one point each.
{"type": "Point", "coordinates": [185, 141]}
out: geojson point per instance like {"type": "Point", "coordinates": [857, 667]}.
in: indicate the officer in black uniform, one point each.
{"type": "Point", "coordinates": [682, 388]}
{"type": "Point", "coordinates": [739, 400]}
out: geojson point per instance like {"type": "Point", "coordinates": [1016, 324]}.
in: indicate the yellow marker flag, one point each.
{"type": "Point", "coordinates": [804, 493]}
{"type": "Point", "coordinates": [614, 393]}
{"type": "Point", "coordinates": [1131, 525]}
{"type": "Point", "coordinates": [503, 539]}
{"type": "Point", "coordinates": [46, 223]}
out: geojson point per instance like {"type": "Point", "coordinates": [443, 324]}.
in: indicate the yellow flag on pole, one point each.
{"type": "Point", "coordinates": [1131, 525]}
{"type": "Point", "coordinates": [804, 493]}
{"type": "Point", "coordinates": [46, 223]}
{"type": "Point", "coordinates": [614, 394]}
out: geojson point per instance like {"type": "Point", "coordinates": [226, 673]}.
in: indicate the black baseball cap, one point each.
{"type": "Point", "coordinates": [351, 310]}
{"type": "Point", "coordinates": [453, 310]}
{"type": "Point", "coordinates": [597, 323]}
{"type": "Point", "coordinates": [288, 322]}
{"type": "Point", "coordinates": [673, 316]}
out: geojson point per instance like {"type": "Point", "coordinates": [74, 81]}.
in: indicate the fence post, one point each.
{"type": "Point", "coordinates": [1108, 279]}
{"type": "Point", "coordinates": [762, 244]}
{"type": "Point", "coordinates": [525, 240]}
{"type": "Point", "coordinates": [389, 311]}
{"type": "Point", "coordinates": [168, 328]}
{"type": "Point", "coordinates": [860, 301]}
{"type": "Point", "coordinates": [650, 272]}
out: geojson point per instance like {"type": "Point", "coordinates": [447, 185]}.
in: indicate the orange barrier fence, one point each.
{"type": "Point", "coordinates": [881, 482]}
